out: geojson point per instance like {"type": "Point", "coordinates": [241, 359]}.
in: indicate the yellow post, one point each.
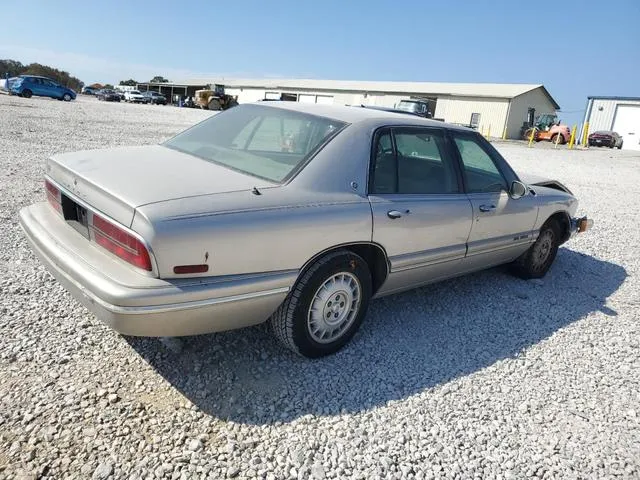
{"type": "Point", "coordinates": [489, 132]}
{"type": "Point", "coordinates": [533, 134]}
{"type": "Point", "coordinates": [504, 133]}
{"type": "Point", "coordinates": [572, 139]}
{"type": "Point", "coordinates": [482, 130]}
{"type": "Point", "coordinates": [585, 135]}
{"type": "Point", "coordinates": [558, 135]}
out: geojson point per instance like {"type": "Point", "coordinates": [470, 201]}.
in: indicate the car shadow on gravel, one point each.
{"type": "Point", "coordinates": [408, 343]}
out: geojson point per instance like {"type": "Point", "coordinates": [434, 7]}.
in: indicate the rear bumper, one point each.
{"type": "Point", "coordinates": [134, 304]}
{"type": "Point", "coordinates": [601, 141]}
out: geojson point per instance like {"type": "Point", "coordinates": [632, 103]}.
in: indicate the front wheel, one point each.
{"type": "Point", "coordinates": [66, 97]}
{"type": "Point", "coordinates": [537, 260]}
{"type": "Point", "coordinates": [326, 306]}
{"type": "Point", "coordinates": [27, 93]}
{"type": "Point", "coordinates": [214, 104]}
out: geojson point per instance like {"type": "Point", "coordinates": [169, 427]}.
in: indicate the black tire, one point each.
{"type": "Point", "coordinates": [620, 146]}
{"type": "Point", "coordinates": [536, 261]}
{"type": "Point", "coordinates": [66, 97]}
{"type": "Point", "coordinates": [290, 324]}
{"type": "Point", "coordinates": [27, 93]}
{"type": "Point", "coordinates": [527, 135]}
{"type": "Point", "coordinates": [214, 104]}
{"type": "Point", "coordinates": [560, 141]}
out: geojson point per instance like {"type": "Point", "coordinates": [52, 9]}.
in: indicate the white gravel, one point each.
{"type": "Point", "coordinates": [485, 376]}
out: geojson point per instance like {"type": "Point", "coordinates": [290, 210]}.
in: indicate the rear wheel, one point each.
{"type": "Point", "coordinates": [326, 306]}
{"type": "Point", "coordinates": [537, 260]}
{"type": "Point", "coordinates": [27, 93]}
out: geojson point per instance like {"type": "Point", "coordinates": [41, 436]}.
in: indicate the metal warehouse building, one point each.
{"type": "Point", "coordinates": [487, 106]}
{"type": "Point", "coordinates": [620, 114]}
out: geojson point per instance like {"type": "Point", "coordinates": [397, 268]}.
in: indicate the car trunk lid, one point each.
{"type": "Point", "coordinates": [116, 181]}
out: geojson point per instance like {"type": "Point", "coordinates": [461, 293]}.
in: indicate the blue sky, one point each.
{"type": "Point", "coordinates": [574, 48]}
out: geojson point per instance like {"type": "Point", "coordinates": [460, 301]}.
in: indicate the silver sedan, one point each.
{"type": "Point", "coordinates": [289, 213]}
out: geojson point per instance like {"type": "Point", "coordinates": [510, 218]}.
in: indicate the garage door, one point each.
{"type": "Point", "coordinates": [627, 124]}
{"type": "Point", "coordinates": [325, 100]}
{"type": "Point", "coordinates": [306, 98]}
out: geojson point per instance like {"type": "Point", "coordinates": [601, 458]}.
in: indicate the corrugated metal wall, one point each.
{"type": "Point", "coordinates": [520, 106]}
{"type": "Point", "coordinates": [603, 113]}
{"type": "Point", "coordinates": [493, 112]}
{"type": "Point", "coordinates": [246, 95]}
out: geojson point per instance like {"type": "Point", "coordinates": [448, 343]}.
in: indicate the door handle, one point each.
{"type": "Point", "coordinates": [487, 208]}
{"type": "Point", "coordinates": [396, 213]}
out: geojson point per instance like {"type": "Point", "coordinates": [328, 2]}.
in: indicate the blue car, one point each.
{"type": "Point", "coordinates": [29, 85]}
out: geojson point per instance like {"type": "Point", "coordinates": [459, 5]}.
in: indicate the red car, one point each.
{"type": "Point", "coordinates": [605, 138]}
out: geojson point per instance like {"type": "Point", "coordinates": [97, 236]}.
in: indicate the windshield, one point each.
{"type": "Point", "coordinates": [265, 142]}
{"type": "Point", "coordinates": [546, 118]}
{"type": "Point", "coordinates": [134, 92]}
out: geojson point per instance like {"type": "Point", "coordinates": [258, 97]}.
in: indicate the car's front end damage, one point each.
{"type": "Point", "coordinates": [553, 191]}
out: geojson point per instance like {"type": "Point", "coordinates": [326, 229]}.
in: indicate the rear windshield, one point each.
{"type": "Point", "coordinates": [409, 106]}
{"type": "Point", "coordinates": [265, 142]}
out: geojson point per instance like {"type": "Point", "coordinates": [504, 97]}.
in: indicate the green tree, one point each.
{"type": "Point", "coordinates": [158, 79]}
{"type": "Point", "coordinates": [14, 68]}
{"type": "Point", "coordinates": [131, 82]}
{"type": "Point", "coordinates": [108, 86]}
{"type": "Point", "coordinates": [11, 68]}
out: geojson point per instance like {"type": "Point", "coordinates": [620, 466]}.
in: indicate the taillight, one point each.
{"type": "Point", "coordinates": [53, 195]}
{"type": "Point", "coordinates": [121, 243]}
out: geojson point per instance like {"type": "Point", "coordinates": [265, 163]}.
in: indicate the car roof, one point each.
{"type": "Point", "coordinates": [357, 114]}
{"type": "Point", "coordinates": [387, 109]}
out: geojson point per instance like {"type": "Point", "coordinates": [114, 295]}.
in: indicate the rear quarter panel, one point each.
{"type": "Point", "coordinates": [278, 234]}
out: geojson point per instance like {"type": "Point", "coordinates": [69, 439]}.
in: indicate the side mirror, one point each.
{"type": "Point", "coordinates": [518, 189]}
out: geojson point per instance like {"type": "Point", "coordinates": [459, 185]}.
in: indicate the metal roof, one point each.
{"type": "Point", "coordinates": [629, 99]}
{"type": "Point", "coordinates": [492, 90]}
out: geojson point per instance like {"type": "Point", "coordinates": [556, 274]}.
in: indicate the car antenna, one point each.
{"type": "Point", "coordinates": [255, 191]}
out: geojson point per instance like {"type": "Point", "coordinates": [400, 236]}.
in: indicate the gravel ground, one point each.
{"type": "Point", "coordinates": [485, 376]}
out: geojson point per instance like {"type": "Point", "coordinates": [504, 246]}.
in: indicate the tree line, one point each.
{"type": "Point", "coordinates": [133, 83]}
{"type": "Point", "coordinates": [13, 68]}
